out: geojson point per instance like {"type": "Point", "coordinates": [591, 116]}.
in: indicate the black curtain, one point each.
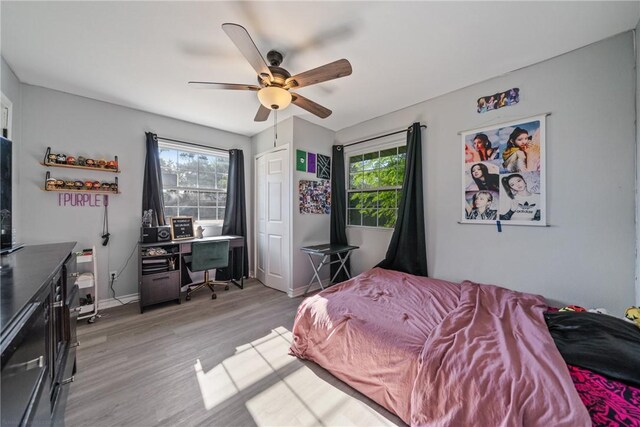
{"type": "Point", "coordinates": [338, 208]}
{"type": "Point", "coordinates": [152, 185]}
{"type": "Point", "coordinates": [407, 250]}
{"type": "Point", "coordinates": [235, 216]}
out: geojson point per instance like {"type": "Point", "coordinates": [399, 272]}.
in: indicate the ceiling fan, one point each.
{"type": "Point", "coordinates": [274, 82]}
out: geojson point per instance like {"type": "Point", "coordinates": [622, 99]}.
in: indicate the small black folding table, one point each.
{"type": "Point", "coordinates": [326, 250]}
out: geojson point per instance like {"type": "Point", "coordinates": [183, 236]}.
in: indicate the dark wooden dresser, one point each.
{"type": "Point", "coordinates": [38, 314]}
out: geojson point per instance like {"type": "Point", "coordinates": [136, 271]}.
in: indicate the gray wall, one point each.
{"type": "Point", "coordinates": [586, 256]}
{"type": "Point", "coordinates": [82, 126]}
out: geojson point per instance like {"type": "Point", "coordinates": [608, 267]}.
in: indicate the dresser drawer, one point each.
{"type": "Point", "coordinates": [160, 287]}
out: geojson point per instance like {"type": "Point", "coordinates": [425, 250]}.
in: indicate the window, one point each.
{"type": "Point", "coordinates": [194, 182]}
{"type": "Point", "coordinates": [375, 187]}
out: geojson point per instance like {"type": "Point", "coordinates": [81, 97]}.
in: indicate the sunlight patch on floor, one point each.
{"type": "Point", "coordinates": [300, 398]}
{"type": "Point", "coordinates": [252, 362]}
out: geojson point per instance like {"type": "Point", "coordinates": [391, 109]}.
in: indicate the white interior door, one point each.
{"type": "Point", "coordinates": [273, 193]}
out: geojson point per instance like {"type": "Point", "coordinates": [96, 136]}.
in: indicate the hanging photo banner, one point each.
{"type": "Point", "coordinates": [498, 100]}
{"type": "Point", "coordinates": [503, 173]}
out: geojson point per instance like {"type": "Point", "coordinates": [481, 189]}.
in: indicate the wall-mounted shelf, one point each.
{"type": "Point", "coordinates": [49, 185]}
{"type": "Point", "coordinates": [64, 190]}
{"type": "Point", "coordinates": [99, 169]}
{"type": "Point", "coordinates": [61, 161]}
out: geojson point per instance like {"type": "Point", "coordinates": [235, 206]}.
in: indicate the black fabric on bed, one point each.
{"type": "Point", "coordinates": [601, 343]}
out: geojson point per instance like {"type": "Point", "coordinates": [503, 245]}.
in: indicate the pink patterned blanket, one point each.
{"type": "Point", "coordinates": [439, 353]}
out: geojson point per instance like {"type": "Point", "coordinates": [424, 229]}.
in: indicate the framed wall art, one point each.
{"type": "Point", "coordinates": [503, 173]}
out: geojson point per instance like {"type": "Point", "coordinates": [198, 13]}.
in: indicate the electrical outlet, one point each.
{"type": "Point", "coordinates": [113, 276]}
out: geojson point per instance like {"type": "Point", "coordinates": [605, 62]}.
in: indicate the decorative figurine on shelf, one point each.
{"type": "Point", "coordinates": [61, 159]}
{"type": "Point", "coordinates": [82, 161]}
{"type": "Point", "coordinates": [147, 218]}
{"type": "Point", "coordinates": [199, 232]}
{"type": "Point", "coordinates": [88, 184]}
{"type": "Point", "coordinates": [114, 187]}
{"type": "Point", "coordinates": [70, 184]}
{"type": "Point", "coordinates": [102, 163]}
{"type": "Point", "coordinates": [111, 164]}
{"type": "Point", "coordinates": [71, 160]}
{"type": "Point", "coordinates": [51, 184]}
{"type": "Point", "coordinates": [79, 185]}
{"type": "Point", "coordinates": [52, 158]}
{"type": "Point", "coordinates": [59, 183]}
{"type": "Point", "coordinates": [91, 163]}
{"type": "Point", "coordinates": [96, 185]}
{"type": "Point", "coordinates": [105, 186]}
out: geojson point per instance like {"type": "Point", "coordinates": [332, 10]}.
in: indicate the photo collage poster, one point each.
{"type": "Point", "coordinates": [315, 197]}
{"type": "Point", "coordinates": [503, 173]}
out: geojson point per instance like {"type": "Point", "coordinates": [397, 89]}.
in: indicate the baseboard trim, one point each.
{"type": "Point", "coordinates": [298, 292]}
{"type": "Point", "coordinates": [112, 302]}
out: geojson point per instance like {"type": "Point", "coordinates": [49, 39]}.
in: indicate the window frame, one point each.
{"type": "Point", "coordinates": [202, 151]}
{"type": "Point", "coordinates": [395, 141]}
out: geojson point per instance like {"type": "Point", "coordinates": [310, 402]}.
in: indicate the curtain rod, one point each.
{"type": "Point", "coordinates": [381, 136]}
{"type": "Point", "coordinates": [191, 143]}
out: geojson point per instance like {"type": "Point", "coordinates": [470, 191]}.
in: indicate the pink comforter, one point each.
{"type": "Point", "coordinates": [440, 353]}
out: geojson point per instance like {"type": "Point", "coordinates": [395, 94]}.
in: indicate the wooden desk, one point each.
{"type": "Point", "coordinates": [159, 274]}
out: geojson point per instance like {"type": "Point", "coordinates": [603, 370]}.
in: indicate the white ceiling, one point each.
{"type": "Point", "coordinates": [141, 54]}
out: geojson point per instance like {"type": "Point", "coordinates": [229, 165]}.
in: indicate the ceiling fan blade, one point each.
{"type": "Point", "coordinates": [241, 38]}
{"type": "Point", "coordinates": [333, 70]}
{"type": "Point", "coordinates": [232, 86]}
{"type": "Point", "coordinates": [310, 106]}
{"type": "Point", "coordinates": [262, 114]}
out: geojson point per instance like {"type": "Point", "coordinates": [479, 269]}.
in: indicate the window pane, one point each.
{"type": "Point", "coordinates": [354, 217]}
{"type": "Point", "coordinates": [368, 200]}
{"type": "Point", "coordinates": [221, 214]}
{"type": "Point", "coordinates": [187, 161]}
{"type": "Point", "coordinates": [206, 180]}
{"type": "Point", "coordinates": [206, 163]}
{"type": "Point", "coordinates": [169, 179]}
{"type": "Point", "coordinates": [387, 157]}
{"type": "Point", "coordinates": [208, 198]}
{"type": "Point", "coordinates": [369, 218]}
{"type": "Point", "coordinates": [354, 200]}
{"type": "Point", "coordinates": [398, 197]}
{"type": "Point", "coordinates": [222, 199]}
{"type": "Point", "coordinates": [356, 180]}
{"type": "Point", "coordinates": [187, 179]}
{"type": "Point", "coordinates": [193, 212]}
{"type": "Point", "coordinates": [207, 214]}
{"type": "Point", "coordinates": [387, 218]}
{"type": "Point", "coordinates": [370, 179]}
{"type": "Point", "coordinates": [355, 163]}
{"type": "Point", "coordinates": [370, 160]}
{"type": "Point", "coordinates": [222, 165]}
{"type": "Point", "coordinates": [168, 159]}
{"type": "Point", "coordinates": [221, 181]}
{"type": "Point", "coordinates": [170, 198]}
{"type": "Point", "coordinates": [387, 199]}
{"type": "Point", "coordinates": [170, 212]}
{"type": "Point", "coordinates": [188, 198]}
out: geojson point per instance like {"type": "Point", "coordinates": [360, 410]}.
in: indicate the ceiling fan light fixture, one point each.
{"type": "Point", "coordinates": [274, 98]}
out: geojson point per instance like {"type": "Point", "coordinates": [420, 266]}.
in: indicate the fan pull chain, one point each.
{"type": "Point", "coordinates": [275, 127]}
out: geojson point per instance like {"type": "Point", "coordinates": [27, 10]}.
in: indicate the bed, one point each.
{"type": "Point", "coordinates": [440, 353]}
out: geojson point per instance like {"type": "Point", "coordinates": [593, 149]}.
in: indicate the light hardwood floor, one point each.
{"type": "Point", "coordinates": [208, 362]}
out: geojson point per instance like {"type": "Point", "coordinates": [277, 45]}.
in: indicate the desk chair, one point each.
{"type": "Point", "coordinates": [206, 256]}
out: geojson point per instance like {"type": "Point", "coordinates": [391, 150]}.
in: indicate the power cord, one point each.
{"type": "Point", "coordinates": [113, 277]}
